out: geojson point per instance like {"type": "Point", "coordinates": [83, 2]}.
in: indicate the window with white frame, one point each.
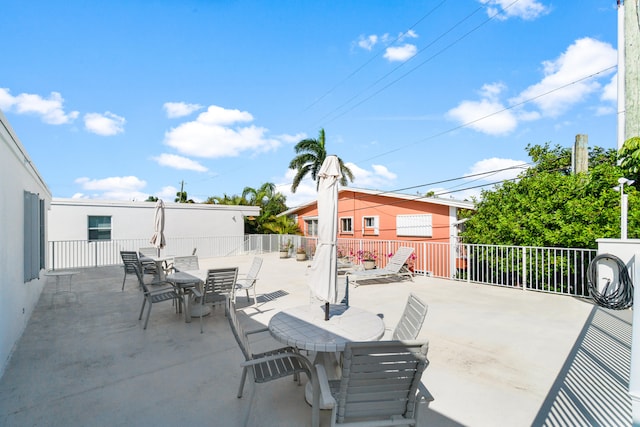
{"type": "Point", "coordinates": [370, 225]}
{"type": "Point", "coordinates": [34, 234]}
{"type": "Point", "coordinates": [346, 225]}
{"type": "Point", "coordinates": [311, 226]}
{"type": "Point", "coordinates": [414, 225]}
{"type": "Point", "coordinates": [99, 228]}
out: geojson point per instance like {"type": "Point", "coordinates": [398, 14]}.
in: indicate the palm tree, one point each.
{"type": "Point", "coordinates": [310, 156]}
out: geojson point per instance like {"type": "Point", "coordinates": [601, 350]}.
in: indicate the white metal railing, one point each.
{"type": "Point", "coordinates": [555, 270]}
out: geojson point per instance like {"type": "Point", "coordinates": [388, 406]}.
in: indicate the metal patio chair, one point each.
{"type": "Point", "coordinates": [131, 261]}
{"type": "Point", "coordinates": [248, 282]}
{"type": "Point", "coordinates": [218, 287]}
{"type": "Point", "coordinates": [270, 365]}
{"type": "Point", "coordinates": [380, 385]}
{"type": "Point", "coordinates": [411, 320]}
{"type": "Point", "coordinates": [154, 296]}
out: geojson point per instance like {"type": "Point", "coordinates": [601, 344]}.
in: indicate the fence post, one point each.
{"type": "Point", "coordinates": [524, 268]}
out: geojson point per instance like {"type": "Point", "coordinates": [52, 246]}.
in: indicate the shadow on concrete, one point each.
{"type": "Point", "coordinates": [592, 386]}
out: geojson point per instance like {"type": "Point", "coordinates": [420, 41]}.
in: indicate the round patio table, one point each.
{"type": "Point", "coordinates": [304, 328]}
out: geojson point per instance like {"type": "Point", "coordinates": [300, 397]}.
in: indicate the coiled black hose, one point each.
{"type": "Point", "coordinates": [620, 297]}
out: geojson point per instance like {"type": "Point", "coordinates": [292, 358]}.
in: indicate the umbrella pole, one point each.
{"type": "Point", "coordinates": [326, 311]}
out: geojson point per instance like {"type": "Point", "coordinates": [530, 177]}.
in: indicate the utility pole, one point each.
{"type": "Point", "coordinates": [631, 68]}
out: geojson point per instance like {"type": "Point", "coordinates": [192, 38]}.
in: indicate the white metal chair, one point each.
{"type": "Point", "coordinates": [273, 364]}
{"type": "Point", "coordinates": [218, 287]}
{"type": "Point", "coordinates": [154, 296]}
{"type": "Point", "coordinates": [411, 320]}
{"type": "Point", "coordinates": [395, 267]}
{"type": "Point", "coordinates": [131, 261]}
{"type": "Point", "coordinates": [248, 282]}
{"type": "Point", "coordinates": [380, 385]}
{"type": "Point", "coordinates": [183, 263]}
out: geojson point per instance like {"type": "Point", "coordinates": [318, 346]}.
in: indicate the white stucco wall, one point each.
{"type": "Point", "coordinates": [17, 299]}
{"type": "Point", "coordinates": [68, 219]}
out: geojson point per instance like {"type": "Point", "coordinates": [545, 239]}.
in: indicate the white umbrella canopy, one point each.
{"type": "Point", "coordinates": [157, 239]}
{"type": "Point", "coordinates": [324, 269]}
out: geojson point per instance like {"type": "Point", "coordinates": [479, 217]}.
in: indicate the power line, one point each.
{"type": "Point", "coordinates": [444, 49]}
{"type": "Point", "coordinates": [380, 52]}
{"type": "Point", "coordinates": [463, 125]}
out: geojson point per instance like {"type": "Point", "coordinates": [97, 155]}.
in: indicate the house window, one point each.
{"type": "Point", "coordinates": [34, 234]}
{"type": "Point", "coordinates": [99, 228]}
{"type": "Point", "coordinates": [346, 225]}
{"type": "Point", "coordinates": [311, 227]}
{"type": "Point", "coordinates": [414, 225]}
{"type": "Point", "coordinates": [370, 225]}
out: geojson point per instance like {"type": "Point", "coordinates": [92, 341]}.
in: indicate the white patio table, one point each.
{"type": "Point", "coordinates": [159, 275]}
{"type": "Point", "coordinates": [191, 280]}
{"type": "Point", "coordinates": [304, 327]}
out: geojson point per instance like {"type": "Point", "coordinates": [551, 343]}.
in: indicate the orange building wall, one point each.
{"type": "Point", "coordinates": [358, 205]}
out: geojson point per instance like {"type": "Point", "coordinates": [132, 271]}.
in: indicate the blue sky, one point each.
{"type": "Point", "coordinates": [125, 99]}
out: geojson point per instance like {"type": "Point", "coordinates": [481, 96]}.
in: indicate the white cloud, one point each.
{"type": "Point", "coordinates": [292, 139]}
{"type": "Point", "coordinates": [50, 109]}
{"type": "Point", "coordinates": [525, 9]}
{"type": "Point", "coordinates": [481, 116]}
{"type": "Point", "coordinates": [106, 124]}
{"type": "Point", "coordinates": [178, 162]}
{"type": "Point", "coordinates": [180, 109]}
{"type": "Point", "coordinates": [113, 188]}
{"type": "Point", "coordinates": [213, 135]}
{"type": "Point", "coordinates": [488, 168]}
{"type": "Point", "coordinates": [367, 42]}
{"type": "Point", "coordinates": [400, 53]}
{"type": "Point", "coordinates": [610, 90]}
{"type": "Point", "coordinates": [379, 177]}
{"type": "Point", "coordinates": [561, 88]}
{"type": "Point", "coordinates": [583, 58]}
{"type": "Point", "coordinates": [305, 193]}
{"type": "Point", "coordinates": [167, 193]}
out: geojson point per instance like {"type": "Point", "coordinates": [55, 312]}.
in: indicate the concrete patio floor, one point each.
{"type": "Point", "coordinates": [498, 356]}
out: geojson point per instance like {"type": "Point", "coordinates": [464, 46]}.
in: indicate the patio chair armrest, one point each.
{"type": "Point", "coordinates": [256, 331]}
{"type": "Point", "coordinates": [424, 393]}
{"type": "Point", "coordinates": [325, 391]}
{"type": "Point", "coordinates": [278, 356]}
{"type": "Point", "coordinates": [196, 292]}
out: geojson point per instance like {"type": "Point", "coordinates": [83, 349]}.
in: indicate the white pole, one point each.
{"type": "Point", "coordinates": [621, 74]}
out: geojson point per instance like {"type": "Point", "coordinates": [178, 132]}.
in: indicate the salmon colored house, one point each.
{"type": "Point", "coordinates": [378, 215]}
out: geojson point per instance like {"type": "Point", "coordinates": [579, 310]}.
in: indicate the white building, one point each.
{"type": "Point", "coordinates": [100, 229]}
{"type": "Point", "coordinates": [24, 200]}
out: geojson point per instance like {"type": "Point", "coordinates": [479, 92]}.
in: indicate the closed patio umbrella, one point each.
{"type": "Point", "coordinates": [324, 269]}
{"type": "Point", "coordinates": [157, 239]}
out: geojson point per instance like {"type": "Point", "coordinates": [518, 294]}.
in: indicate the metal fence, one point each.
{"type": "Point", "coordinates": [555, 270]}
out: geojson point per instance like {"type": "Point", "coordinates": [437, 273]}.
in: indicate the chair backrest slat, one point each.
{"type": "Point", "coordinates": [411, 320]}
{"type": "Point", "coordinates": [130, 260]}
{"type": "Point", "coordinates": [238, 331]}
{"type": "Point", "coordinates": [380, 379]}
{"type": "Point", "coordinates": [398, 259]}
{"type": "Point", "coordinates": [188, 262]}
{"type": "Point", "coordinates": [252, 275]}
{"type": "Point", "coordinates": [218, 286]}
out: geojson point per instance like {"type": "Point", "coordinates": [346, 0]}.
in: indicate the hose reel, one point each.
{"type": "Point", "coordinates": [616, 295]}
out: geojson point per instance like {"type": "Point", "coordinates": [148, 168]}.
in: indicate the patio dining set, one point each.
{"type": "Point", "coordinates": [349, 369]}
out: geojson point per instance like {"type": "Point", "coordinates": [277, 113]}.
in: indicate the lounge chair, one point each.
{"type": "Point", "coordinates": [394, 268]}
{"type": "Point", "coordinates": [380, 385]}
{"type": "Point", "coordinates": [248, 282]}
{"type": "Point", "coordinates": [412, 319]}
